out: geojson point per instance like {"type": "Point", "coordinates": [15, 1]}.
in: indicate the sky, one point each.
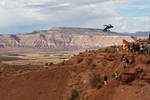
{"type": "Point", "coordinates": [24, 16]}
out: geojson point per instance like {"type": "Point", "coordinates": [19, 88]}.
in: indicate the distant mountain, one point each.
{"type": "Point", "coordinates": [63, 38]}
{"type": "Point", "coordinates": [142, 33]}
{"type": "Point", "coordinates": [139, 33]}
{"type": "Point", "coordinates": [76, 30]}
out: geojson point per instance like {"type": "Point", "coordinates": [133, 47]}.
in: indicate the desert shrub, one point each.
{"type": "Point", "coordinates": [111, 49]}
{"type": "Point", "coordinates": [15, 55]}
{"type": "Point", "coordinates": [63, 62]}
{"type": "Point", "coordinates": [66, 63]}
{"type": "Point", "coordinates": [51, 63]}
{"type": "Point", "coordinates": [21, 72]}
{"type": "Point", "coordinates": [46, 64]}
{"type": "Point", "coordinates": [46, 55]}
{"type": "Point", "coordinates": [0, 73]}
{"type": "Point", "coordinates": [74, 94]}
{"type": "Point", "coordinates": [139, 70]}
{"type": "Point", "coordinates": [142, 84]}
{"type": "Point", "coordinates": [95, 80]}
{"type": "Point", "coordinates": [80, 53]}
{"type": "Point", "coordinates": [106, 50]}
{"type": "Point", "coordinates": [89, 61]}
{"type": "Point", "coordinates": [13, 68]}
{"type": "Point", "coordinates": [99, 85]}
{"type": "Point", "coordinates": [79, 60]}
{"type": "Point", "coordinates": [93, 65]}
{"type": "Point", "coordinates": [84, 96]}
{"type": "Point", "coordinates": [128, 77]}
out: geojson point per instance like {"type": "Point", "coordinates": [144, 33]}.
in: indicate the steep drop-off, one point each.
{"type": "Point", "coordinates": [57, 81]}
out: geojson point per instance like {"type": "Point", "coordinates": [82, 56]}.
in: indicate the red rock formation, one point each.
{"type": "Point", "coordinates": [63, 38]}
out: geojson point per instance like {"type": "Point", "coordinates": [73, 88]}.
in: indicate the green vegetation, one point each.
{"type": "Point", "coordinates": [89, 61]}
{"type": "Point", "coordinates": [74, 95]}
{"type": "Point", "coordinates": [83, 96]}
{"type": "Point", "coordinates": [46, 64]}
{"type": "Point", "coordinates": [59, 55]}
{"type": "Point", "coordinates": [80, 53]}
{"type": "Point", "coordinates": [93, 65]}
{"type": "Point", "coordinates": [66, 63]}
{"type": "Point", "coordinates": [47, 55]}
{"type": "Point", "coordinates": [51, 63]}
{"type": "Point", "coordinates": [112, 49]}
{"type": "Point", "coordinates": [79, 60]}
{"type": "Point", "coordinates": [13, 54]}
{"type": "Point", "coordinates": [95, 81]}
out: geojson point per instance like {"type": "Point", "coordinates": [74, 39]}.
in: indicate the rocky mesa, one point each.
{"type": "Point", "coordinates": [63, 38]}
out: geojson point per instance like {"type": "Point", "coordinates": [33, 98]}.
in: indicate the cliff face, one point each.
{"type": "Point", "coordinates": [63, 38]}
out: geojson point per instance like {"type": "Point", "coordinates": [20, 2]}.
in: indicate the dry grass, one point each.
{"type": "Point", "coordinates": [94, 80]}
{"type": "Point", "coordinates": [74, 94]}
{"type": "Point", "coordinates": [79, 60]}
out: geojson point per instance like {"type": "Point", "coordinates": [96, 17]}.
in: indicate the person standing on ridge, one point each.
{"type": "Point", "coordinates": [124, 64]}
{"type": "Point", "coordinates": [116, 75]}
{"type": "Point", "coordinates": [149, 37]}
{"type": "Point", "coordinates": [141, 48]}
{"type": "Point", "coordinates": [148, 48]}
{"type": "Point", "coordinates": [145, 49]}
{"type": "Point", "coordinates": [138, 48]}
{"type": "Point", "coordinates": [122, 57]}
{"type": "Point", "coordinates": [105, 80]}
{"type": "Point", "coordinates": [132, 59]}
{"type": "Point", "coordinates": [133, 48]}
{"type": "Point", "coordinates": [113, 74]}
{"type": "Point", "coordinates": [127, 61]}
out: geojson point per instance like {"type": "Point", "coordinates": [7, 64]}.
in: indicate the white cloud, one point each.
{"type": "Point", "coordinates": [82, 13]}
{"type": "Point", "coordinates": [141, 7]}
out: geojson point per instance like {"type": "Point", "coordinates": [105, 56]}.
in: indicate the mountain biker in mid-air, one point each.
{"type": "Point", "coordinates": [107, 27]}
